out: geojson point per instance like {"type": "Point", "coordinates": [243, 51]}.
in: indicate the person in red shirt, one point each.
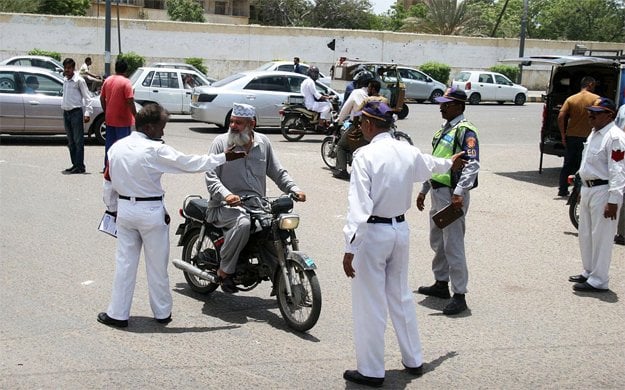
{"type": "Point", "coordinates": [118, 103]}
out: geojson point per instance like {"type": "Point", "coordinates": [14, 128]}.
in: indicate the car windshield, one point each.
{"type": "Point", "coordinates": [228, 80]}
{"type": "Point", "coordinates": [135, 76]}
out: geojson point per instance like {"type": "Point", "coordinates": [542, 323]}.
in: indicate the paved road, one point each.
{"type": "Point", "coordinates": [526, 328]}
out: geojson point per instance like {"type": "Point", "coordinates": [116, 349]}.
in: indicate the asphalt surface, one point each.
{"type": "Point", "coordinates": [526, 328]}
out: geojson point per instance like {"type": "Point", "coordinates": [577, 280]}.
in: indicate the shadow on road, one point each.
{"type": "Point", "coordinates": [241, 309]}
{"type": "Point", "coordinates": [549, 177]}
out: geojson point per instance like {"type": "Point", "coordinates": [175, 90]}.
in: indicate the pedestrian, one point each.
{"type": "Point", "coordinates": [450, 262]}
{"type": "Point", "coordinates": [226, 185]}
{"type": "Point", "coordinates": [133, 192]}
{"type": "Point", "coordinates": [602, 172]}
{"type": "Point", "coordinates": [574, 128]}
{"type": "Point", "coordinates": [297, 68]}
{"type": "Point", "coordinates": [620, 229]}
{"type": "Point", "coordinates": [118, 104]}
{"type": "Point", "coordinates": [377, 244]}
{"type": "Point", "coordinates": [77, 109]}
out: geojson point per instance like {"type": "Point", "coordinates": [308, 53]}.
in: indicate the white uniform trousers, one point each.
{"type": "Point", "coordinates": [596, 235]}
{"type": "Point", "coordinates": [380, 286]}
{"type": "Point", "coordinates": [450, 261]}
{"type": "Point", "coordinates": [141, 223]}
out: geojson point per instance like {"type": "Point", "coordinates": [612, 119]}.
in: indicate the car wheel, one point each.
{"type": "Point", "coordinates": [98, 128]}
{"type": "Point", "coordinates": [475, 98]}
{"type": "Point", "coordinates": [435, 94]}
{"type": "Point", "coordinates": [7, 84]}
{"type": "Point", "coordinates": [519, 99]}
{"type": "Point", "coordinates": [227, 121]}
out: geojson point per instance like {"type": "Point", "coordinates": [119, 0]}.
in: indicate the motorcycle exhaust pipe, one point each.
{"type": "Point", "coordinates": [193, 270]}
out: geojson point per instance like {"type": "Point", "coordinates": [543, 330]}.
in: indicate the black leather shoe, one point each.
{"type": "Point", "coordinates": [586, 287]}
{"type": "Point", "coordinates": [456, 305]}
{"type": "Point", "coordinates": [356, 377]}
{"type": "Point", "coordinates": [103, 318]}
{"type": "Point", "coordinates": [228, 286]}
{"type": "Point", "coordinates": [341, 174]}
{"type": "Point", "coordinates": [577, 279]}
{"type": "Point", "coordinates": [69, 169]}
{"type": "Point", "coordinates": [563, 193]}
{"type": "Point", "coordinates": [619, 239]}
{"type": "Point", "coordinates": [414, 371]}
{"type": "Point", "coordinates": [438, 289]}
{"type": "Point", "coordinates": [164, 320]}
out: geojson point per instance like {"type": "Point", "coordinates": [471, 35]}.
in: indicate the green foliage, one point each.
{"type": "Point", "coordinates": [437, 71]}
{"type": "Point", "coordinates": [39, 52]}
{"type": "Point", "coordinates": [510, 71]}
{"type": "Point", "coordinates": [445, 17]}
{"type": "Point", "coordinates": [133, 60]}
{"type": "Point", "coordinates": [197, 62]}
{"type": "Point", "coordinates": [394, 18]}
{"type": "Point", "coordinates": [64, 7]}
{"type": "Point", "coordinates": [185, 11]}
{"type": "Point", "coordinates": [19, 6]}
{"type": "Point", "coordinates": [349, 14]}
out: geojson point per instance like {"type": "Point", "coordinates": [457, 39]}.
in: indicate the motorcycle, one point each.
{"type": "Point", "coordinates": [573, 201]}
{"type": "Point", "coordinates": [329, 144]}
{"type": "Point", "coordinates": [296, 120]}
{"type": "Point", "coordinates": [271, 254]}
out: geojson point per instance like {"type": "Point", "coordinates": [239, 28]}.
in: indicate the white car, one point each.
{"type": "Point", "coordinates": [419, 86]}
{"type": "Point", "coordinates": [265, 90]}
{"type": "Point", "coordinates": [36, 61]}
{"type": "Point", "coordinates": [169, 87]}
{"type": "Point", "coordinates": [489, 86]}
{"type": "Point", "coordinates": [181, 65]}
{"type": "Point", "coordinates": [286, 66]}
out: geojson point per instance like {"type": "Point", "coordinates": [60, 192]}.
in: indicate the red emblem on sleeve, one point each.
{"type": "Point", "coordinates": [618, 155]}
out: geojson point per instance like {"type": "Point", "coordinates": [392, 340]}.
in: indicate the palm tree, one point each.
{"type": "Point", "coordinates": [444, 17]}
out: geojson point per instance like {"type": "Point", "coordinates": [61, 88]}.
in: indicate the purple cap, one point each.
{"type": "Point", "coordinates": [452, 94]}
{"type": "Point", "coordinates": [376, 109]}
{"type": "Point", "coordinates": [603, 104]}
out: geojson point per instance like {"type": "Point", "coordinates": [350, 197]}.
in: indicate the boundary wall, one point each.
{"type": "Point", "coordinates": [227, 49]}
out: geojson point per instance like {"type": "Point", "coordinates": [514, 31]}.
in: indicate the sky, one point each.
{"type": "Point", "coordinates": [381, 6]}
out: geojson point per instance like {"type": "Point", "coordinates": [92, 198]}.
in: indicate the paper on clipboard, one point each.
{"type": "Point", "coordinates": [446, 216]}
{"type": "Point", "coordinates": [107, 224]}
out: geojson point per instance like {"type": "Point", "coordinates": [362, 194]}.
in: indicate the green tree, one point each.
{"type": "Point", "coordinates": [185, 11]}
{"type": "Point", "coordinates": [281, 12]}
{"type": "Point", "coordinates": [64, 7]}
{"type": "Point", "coordinates": [445, 17]}
{"type": "Point", "coordinates": [394, 18]}
{"type": "Point", "coordinates": [21, 6]}
{"type": "Point", "coordinates": [350, 14]}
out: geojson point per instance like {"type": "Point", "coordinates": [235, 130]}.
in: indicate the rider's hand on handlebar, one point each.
{"type": "Point", "coordinates": [232, 200]}
{"type": "Point", "coordinates": [231, 154]}
{"type": "Point", "coordinates": [299, 196]}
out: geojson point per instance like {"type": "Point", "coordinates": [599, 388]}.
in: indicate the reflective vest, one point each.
{"type": "Point", "coordinates": [447, 144]}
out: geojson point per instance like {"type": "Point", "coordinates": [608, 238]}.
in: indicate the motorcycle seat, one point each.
{"type": "Point", "coordinates": [196, 209]}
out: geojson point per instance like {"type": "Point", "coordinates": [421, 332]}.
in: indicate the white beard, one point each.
{"type": "Point", "coordinates": [240, 139]}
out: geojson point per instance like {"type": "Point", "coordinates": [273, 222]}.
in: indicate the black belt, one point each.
{"type": "Point", "coordinates": [594, 183]}
{"type": "Point", "coordinates": [73, 109]}
{"type": "Point", "coordinates": [148, 199]}
{"type": "Point", "coordinates": [376, 219]}
{"type": "Point", "coordinates": [436, 184]}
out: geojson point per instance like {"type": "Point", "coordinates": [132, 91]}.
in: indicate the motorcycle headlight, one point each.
{"type": "Point", "coordinates": [288, 221]}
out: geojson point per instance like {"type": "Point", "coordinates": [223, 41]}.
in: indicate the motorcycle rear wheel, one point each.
{"type": "Point", "coordinates": [301, 311]}
{"type": "Point", "coordinates": [189, 254]}
{"type": "Point", "coordinates": [328, 152]}
{"type": "Point", "coordinates": [285, 127]}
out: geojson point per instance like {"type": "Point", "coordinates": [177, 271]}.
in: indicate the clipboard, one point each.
{"type": "Point", "coordinates": [446, 216]}
{"type": "Point", "coordinates": [107, 224]}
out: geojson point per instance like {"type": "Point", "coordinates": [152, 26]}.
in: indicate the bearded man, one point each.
{"type": "Point", "coordinates": [247, 176]}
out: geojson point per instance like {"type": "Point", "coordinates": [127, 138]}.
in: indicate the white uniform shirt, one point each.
{"type": "Point", "coordinates": [620, 117]}
{"type": "Point", "coordinates": [76, 95]}
{"type": "Point", "coordinates": [353, 103]}
{"type": "Point", "coordinates": [376, 189]}
{"type": "Point", "coordinates": [311, 95]}
{"type": "Point", "coordinates": [603, 159]}
{"type": "Point", "coordinates": [136, 164]}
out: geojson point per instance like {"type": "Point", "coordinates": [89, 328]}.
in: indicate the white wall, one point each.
{"type": "Point", "coordinates": [230, 48]}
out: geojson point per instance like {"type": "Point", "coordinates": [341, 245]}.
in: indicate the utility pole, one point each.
{"type": "Point", "coordinates": [107, 39]}
{"type": "Point", "coordinates": [522, 40]}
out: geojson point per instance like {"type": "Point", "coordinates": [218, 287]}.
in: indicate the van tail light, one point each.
{"type": "Point", "coordinates": [467, 86]}
{"type": "Point", "coordinates": [544, 124]}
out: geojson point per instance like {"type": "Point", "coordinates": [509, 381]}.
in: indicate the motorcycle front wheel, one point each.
{"type": "Point", "coordinates": [286, 125]}
{"type": "Point", "coordinates": [300, 311]}
{"type": "Point", "coordinates": [328, 151]}
{"type": "Point", "coordinates": [574, 210]}
{"type": "Point", "coordinates": [401, 136]}
{"type": "Point", "coordinates": [190, 255]}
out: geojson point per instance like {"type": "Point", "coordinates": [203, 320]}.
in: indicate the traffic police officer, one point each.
{"type": "Point", "coordinates": [450, 263]}
{"type": "Point", "coordinates": [603, 178]}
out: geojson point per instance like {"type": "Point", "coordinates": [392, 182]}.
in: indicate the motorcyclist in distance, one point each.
{"type": "Point", "coordinates": [313, 99]}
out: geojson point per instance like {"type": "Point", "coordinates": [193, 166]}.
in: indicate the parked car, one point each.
{"type": "Point", "coordinates": [36, 109]}
{"type": "Point", "coordinates": [169, 87]}
{"type": "Point", "coordinates": [606, 66]}
{"type": "Point", "coordinates": [265, 90]}
{"type": "Point", "coordinates": [181, 65]}
{"type": "Point", "coordinates": [480, 85]}
{"type": "Point", "coordinates": [286, 66]}
{"type": "Point", "coordinates": [36, 61]}
{"type": "Point", "coordinates": [419, 86]}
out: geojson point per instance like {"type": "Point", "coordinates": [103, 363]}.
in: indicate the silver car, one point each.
{"type": "Point", "coordinates": [36, 61]}
{"type": "Point", "coordinates": [286, 66]}
{"type": "Point", "coordinates": [265, 90]}
{"type": "Point", "coordinates": [419, 86]}
{"type": "Point", "coordinates": [30, 103]}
